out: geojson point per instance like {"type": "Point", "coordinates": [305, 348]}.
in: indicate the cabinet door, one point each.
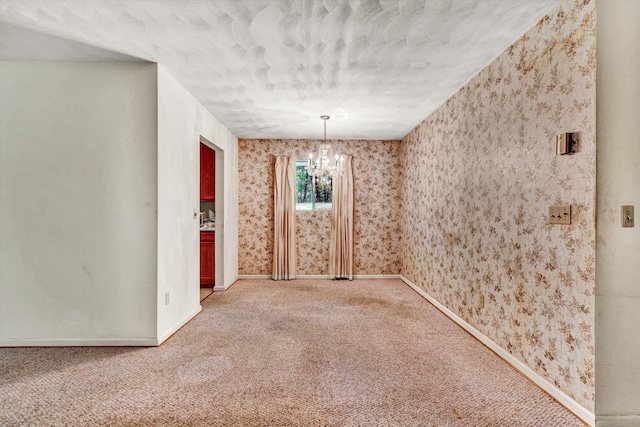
{"type": "Point", "coordinates": [207, 263]}
{"type": "Point", "coordinates": [207, 173]}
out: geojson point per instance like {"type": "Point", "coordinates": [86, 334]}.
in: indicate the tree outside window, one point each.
{"type": "Point", "coordinates": [312, 193]}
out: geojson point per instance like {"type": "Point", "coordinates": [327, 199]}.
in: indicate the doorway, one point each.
{"type": "Point", "coordinates": [211, 233]}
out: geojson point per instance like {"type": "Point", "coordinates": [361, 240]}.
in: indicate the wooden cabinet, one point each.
{"type": "Point", "coordinates": [207, 174]}
{"type": "Point", "coordinates": [207, 258]}
{"type": "Point", "coordinates": [207, 194]}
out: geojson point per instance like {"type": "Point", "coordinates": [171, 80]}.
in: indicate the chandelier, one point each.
{"type": "Point", "coordinates": [326, 163]}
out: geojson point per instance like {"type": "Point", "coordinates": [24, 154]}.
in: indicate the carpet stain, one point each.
{"type": "Point", "coordinates": [266, 353]}
{"type": "Point", "coordinates": [204, 369]}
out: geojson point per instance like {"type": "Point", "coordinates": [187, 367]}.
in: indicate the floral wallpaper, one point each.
{"type": "Point", "coordinates": [479, 176]}
{"type": "Point", "coordinates": [377, 207]}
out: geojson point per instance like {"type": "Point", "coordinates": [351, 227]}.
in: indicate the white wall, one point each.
{"type": "Point", "coordinates": [182, 121]}
{"type": "Point", "coordinates": [618, 183]}
{"type": "Point", "coordinates": [77, 203]}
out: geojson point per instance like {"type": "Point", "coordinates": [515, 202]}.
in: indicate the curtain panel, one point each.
{"type": "Point", "coordinates": [341, 240]}
{"type": "Point", "coordinates": [284, 221]}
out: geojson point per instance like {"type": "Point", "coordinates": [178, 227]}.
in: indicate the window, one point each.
{"type": "Point", "coordinates": [312, 193]}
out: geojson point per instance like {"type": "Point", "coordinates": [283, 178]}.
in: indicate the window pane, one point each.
{"type": "Point", "coordinates": [304, 196]}
{"type": "Point", "coordinates": [311, 193]}
{"type": "Point", "coordinates": [323, 194]}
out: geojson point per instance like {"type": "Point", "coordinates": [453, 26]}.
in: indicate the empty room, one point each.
{"type": "Point", "coordinates": [319, 213]}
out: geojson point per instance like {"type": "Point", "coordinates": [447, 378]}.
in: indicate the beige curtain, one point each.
{"type": "Point", "coordinates": [284, 224]}
{"type": "Point", "coordinates": [341, 243]}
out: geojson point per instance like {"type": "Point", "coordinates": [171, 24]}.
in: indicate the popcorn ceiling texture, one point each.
{"type": "Point", "coordinates": [377, 181]}
{"type": "Point", "coordinates": [480, 173]}
{"type": "Point", "coordinates": [269, 69]}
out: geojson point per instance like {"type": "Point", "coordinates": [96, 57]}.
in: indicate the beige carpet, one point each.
{"type": "Point", "coordinates": [300, 353]}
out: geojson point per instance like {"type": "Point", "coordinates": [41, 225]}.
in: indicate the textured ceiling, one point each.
{"type": "Point", "coordinates": [269, 69]}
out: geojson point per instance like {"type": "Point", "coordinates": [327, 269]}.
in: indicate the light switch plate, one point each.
{"type": "Point", "coordinates": [560, 214]}
{"type": "Point", "coordinates": [627, 215]}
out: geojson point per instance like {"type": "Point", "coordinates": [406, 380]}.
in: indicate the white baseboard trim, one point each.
{"type": "Point", "coordinates": [228, 285]}
{"type": "Point", "coordinates": [319, 276]}
{"type": "Point", "coordinates": [165, 335]}
{"type": "Point", "coordinates": [79, 342]}
{"type": "Point", "coordinates": [624, 418]}
{"type": "Point", "coordinates": [564, 399]}
{"type": "Point", "coordinates": [269, 276]}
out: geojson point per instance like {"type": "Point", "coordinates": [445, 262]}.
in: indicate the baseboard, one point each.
{"type": "Point", "coordinates": [227, 286]}
{"type": "Point", "coordinates": [79, 342]}
{"type": "Point", "coordinates": [99, 342]}
{"type": "Point", "coordinates": [167, 334]}
{"type": "Point", "coordinates": [578, 410]}
{"type": "Point", "coordinates": [621, 420]}
{"type": "Point", "coordinates": [269, 276]}
{"type": "Point", "coordinates": [319, 276]}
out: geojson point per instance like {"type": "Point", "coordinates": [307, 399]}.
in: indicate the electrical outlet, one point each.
{"type": "Point", "coordinates": [167, 298]}
{"type": "Point", "coordinates": [481, 301]}
{"type": "Point", "coordinates": [627, 215]}
{"type": "Point", "coordinates": [560, 214]}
